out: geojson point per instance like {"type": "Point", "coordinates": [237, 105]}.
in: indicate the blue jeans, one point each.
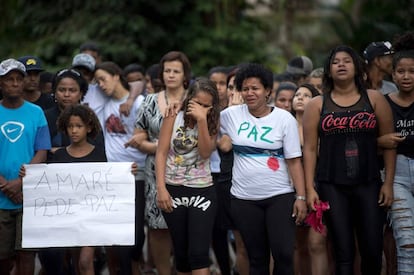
{"type": "Point", "coordinates": [402, 213]}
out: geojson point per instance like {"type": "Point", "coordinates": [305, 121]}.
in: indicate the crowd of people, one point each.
{"type": "Point", "coordinates": [306, 171]}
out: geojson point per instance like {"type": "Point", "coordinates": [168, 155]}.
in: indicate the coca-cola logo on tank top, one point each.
{"type": "Point", "coordinates": [345, 122]}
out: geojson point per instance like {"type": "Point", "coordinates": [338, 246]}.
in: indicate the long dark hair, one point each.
{"type": "Point", "coordinates": [205, 85]}
{"type": "Point", "coordinates": [360, 70]}
{"type": "Point", "coordinates": [113, 69]}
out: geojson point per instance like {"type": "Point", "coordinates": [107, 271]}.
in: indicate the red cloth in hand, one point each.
{"type": "Point", "coordinates": [314, 219]}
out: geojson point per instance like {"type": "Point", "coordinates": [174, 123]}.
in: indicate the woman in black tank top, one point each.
{"type": "Point", "coordinates": [341, 129]}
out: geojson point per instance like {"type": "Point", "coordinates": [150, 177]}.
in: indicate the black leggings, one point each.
{"type": "Point", "coordinates": [223, 223]}
{"type": "Point", "coordinates": [355, 210]}
{"type": "Point", "coordinates": [267, 226]}
{"type": "Point", "coordinates": [127, 253]}
{"type": "Point", "coordinates": [139, 220]}
{"type": "Point", "coordinates": [191, 225]}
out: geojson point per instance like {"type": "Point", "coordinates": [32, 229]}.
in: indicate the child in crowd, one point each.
{"type": "Point", "coordinates": [185, 187]}
{"type": "Point", "coordinates": [79, 123]}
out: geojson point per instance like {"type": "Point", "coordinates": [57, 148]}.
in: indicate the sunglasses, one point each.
{"type": "Point", "coordinates": [68, 71]}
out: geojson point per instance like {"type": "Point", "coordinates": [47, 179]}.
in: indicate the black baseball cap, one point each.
{"type": "Point", "coordinates": [375, 49]}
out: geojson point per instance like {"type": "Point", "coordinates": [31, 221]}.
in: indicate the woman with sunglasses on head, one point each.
{"type": "Point", "coordinates": [69, 88]}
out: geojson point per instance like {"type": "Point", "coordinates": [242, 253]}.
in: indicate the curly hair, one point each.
{"type": "Point", "coordinates": [203, 84]}
{"type": "Point", "coordinates": [86, 114]}
{"type": "Point", "coordinates": [403, 46]}
{"type": "Point", "coordinates": [254, 70]}
{"type": "Point", "coordinates": [360, 69]}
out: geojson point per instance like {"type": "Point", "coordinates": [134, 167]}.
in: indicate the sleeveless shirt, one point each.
{"type": "Point", "coordinates": [404, 124]}
{"type": "Point", "coordinates": [337, 126]}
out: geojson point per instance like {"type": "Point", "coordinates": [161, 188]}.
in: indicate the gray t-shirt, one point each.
{"type": "Point", "coordinates": [387, 87]}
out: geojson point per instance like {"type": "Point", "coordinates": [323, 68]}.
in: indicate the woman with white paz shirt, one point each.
{"type": "Point", "coordinates": [267, 170]}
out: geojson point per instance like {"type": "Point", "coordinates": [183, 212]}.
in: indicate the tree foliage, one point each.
{"type": "Point", "coordinates": [360, 22]}
{"type": "Point", "coordinates": [211, 33]}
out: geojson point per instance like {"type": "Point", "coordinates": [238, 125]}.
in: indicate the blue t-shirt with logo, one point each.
{"type": "Point", "coordinates": [23, 131]}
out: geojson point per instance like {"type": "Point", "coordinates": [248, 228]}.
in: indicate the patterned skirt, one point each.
{"type": "Point", "coordinates": [153, 214]}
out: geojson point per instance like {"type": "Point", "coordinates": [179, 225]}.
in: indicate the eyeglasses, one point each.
{"type": "Point", "coordinates": [68, 70]}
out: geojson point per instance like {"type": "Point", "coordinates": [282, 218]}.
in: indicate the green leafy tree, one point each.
{"type": "Point", "coordinates": [210, 32]}
{"type": "Point", "coordinates": [217, 32]}
{"type": "Point", "coordinates": [360, 22]}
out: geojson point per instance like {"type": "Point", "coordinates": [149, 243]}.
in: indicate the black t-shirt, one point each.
{"type": "Point", "coordinates": [62, 156]}
{"type": "Point", "coordinates": [45, 101]}
{"type": "Point", "coordinates": [404, 124]}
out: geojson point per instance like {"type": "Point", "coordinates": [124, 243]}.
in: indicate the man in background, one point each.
{"type": "Point", "coordinates": [24, 139]}
{"type": "Point", "coordinates": [378, 57]}
{"type": "Point", "coordinates": [31, 89]}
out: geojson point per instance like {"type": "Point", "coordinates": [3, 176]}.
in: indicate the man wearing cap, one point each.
{"type": "Point", "coordinates": [31, 88]}
{"type": "Point", "coordinates": [299, 68]}
{"type": "Point", "coordinates": [94, 97]}
{"type": "Point", "coordinates": [378, 56]}
{"type": "Point", "coordinates": [24, 139]}
{"type": "Point", "coordinates": [92, 48]}
{"type": "Point", "coordinates": [85, 64]}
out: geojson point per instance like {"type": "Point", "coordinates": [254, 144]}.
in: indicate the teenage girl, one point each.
{"type": "Point", "coordinates": [402, 105]}
{"type": "Point", "coordinates": [118, 129]}
{"type": "Point", "coordinates": [185, 190]}
{"type": "Point", "coordinates": [340, 133]}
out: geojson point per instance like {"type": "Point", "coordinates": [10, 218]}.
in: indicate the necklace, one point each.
{"type": "Point", "coordinates": [166, 97]}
